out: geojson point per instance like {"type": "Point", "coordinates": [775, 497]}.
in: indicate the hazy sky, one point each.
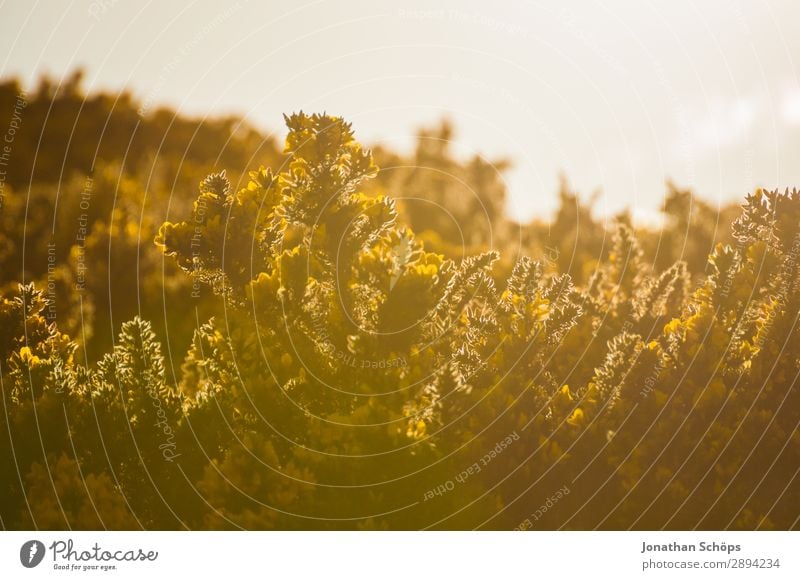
{"type": "Point", "coordinates": [619, 95]}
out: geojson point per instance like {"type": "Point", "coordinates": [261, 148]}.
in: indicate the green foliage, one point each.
{"type": "Point", "coordinates": [344, 372]}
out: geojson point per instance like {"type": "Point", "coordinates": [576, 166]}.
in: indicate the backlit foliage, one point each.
{"type": "Point", "coordinates": [333, 369]}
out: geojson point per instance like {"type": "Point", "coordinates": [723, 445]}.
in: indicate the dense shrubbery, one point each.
{"type": "Point", "coordinates": [343, 371]}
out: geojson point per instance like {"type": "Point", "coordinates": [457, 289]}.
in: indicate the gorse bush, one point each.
{"type": "Point", "coordinates": [353, 378]}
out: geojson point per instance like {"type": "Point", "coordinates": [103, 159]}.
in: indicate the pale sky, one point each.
{"type": "Point", "coordinates": [618, 95]}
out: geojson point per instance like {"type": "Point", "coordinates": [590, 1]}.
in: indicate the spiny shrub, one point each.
{"type": "Point", "coordinates": [356, 380]}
